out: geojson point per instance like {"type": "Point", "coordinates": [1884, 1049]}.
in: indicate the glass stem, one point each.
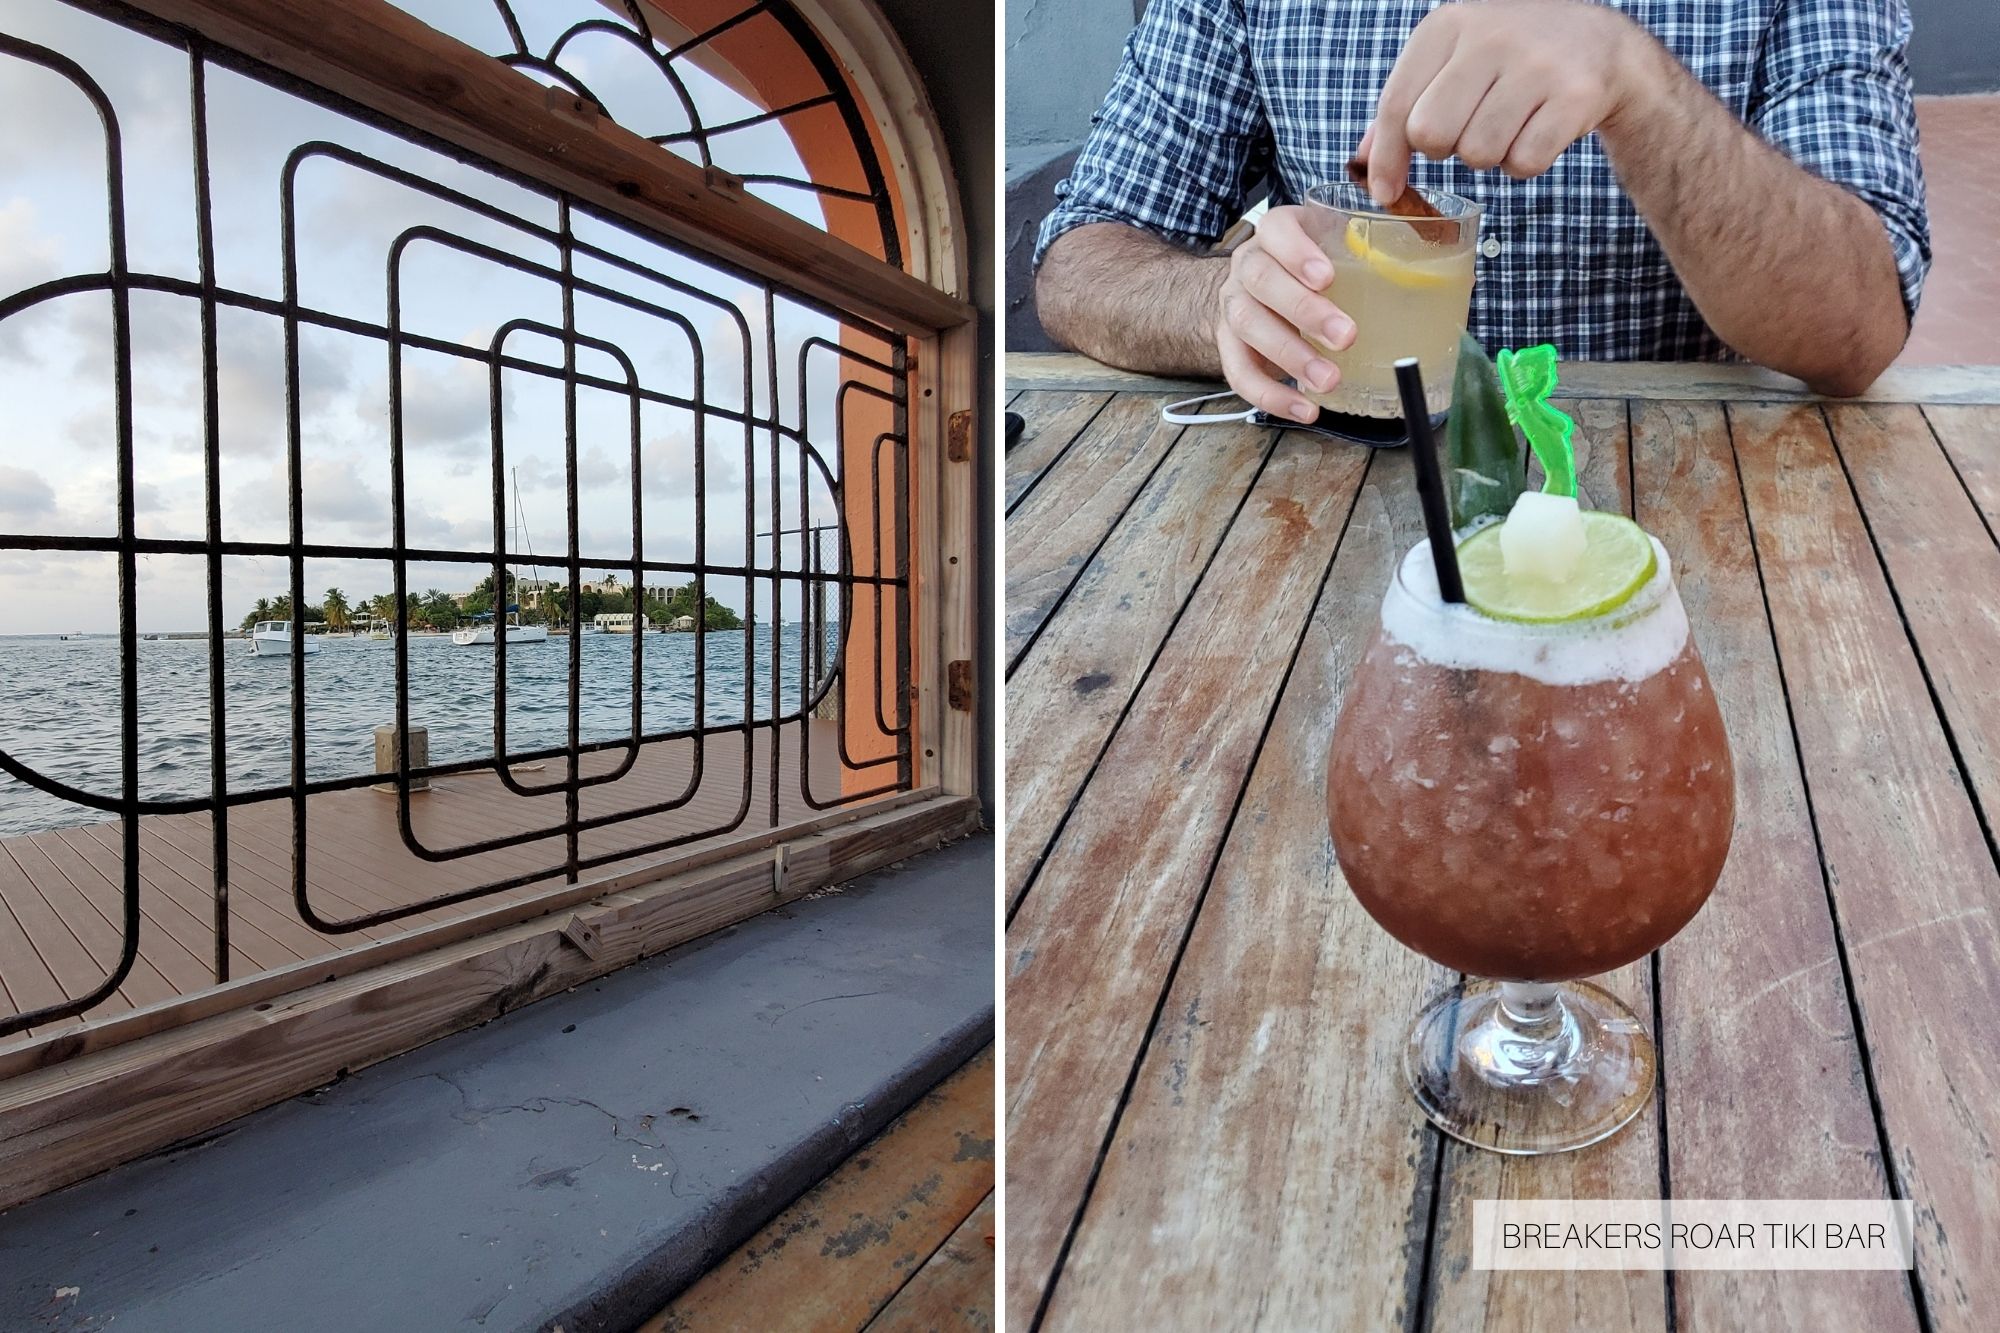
{"type": "Point", "coordinates": [1537, 1039]}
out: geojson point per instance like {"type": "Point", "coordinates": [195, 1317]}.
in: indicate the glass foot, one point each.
{"type": "Point", "coordinates": [1525, 1068]}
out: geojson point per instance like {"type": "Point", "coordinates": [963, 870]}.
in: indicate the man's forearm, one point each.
{"type": "Point", "coordinates": [1792, 271]}
{"type": "Point", "coordinates": [1132, 300]}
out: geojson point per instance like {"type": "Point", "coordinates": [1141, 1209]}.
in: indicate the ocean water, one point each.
{"type": "Point", "coordinates": [60, 707]}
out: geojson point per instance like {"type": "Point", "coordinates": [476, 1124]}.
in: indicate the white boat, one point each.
{"type": "Point", "coordinates": [516, 633]}
{"type": "Point", "coordinates": [273, 638]}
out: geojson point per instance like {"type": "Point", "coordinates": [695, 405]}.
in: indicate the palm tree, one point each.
{"type": "Point", "coordinates": [334, 608]}
{"type": "Point", "coordinates": [261, 611]}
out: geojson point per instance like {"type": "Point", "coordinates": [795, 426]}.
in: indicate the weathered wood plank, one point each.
{"type": "Point", "coordinates": [1054, 419]}
{"type": "Point", "coordinates": [954, 1288]}
{"type": "Point", "coordinates": [1099, 933]}
{"type": "Point", "coordinates": [1052, 534]}
{"type": "Point", "coordinates": [1065, 697]}
{"type": "Point", "coordinates": [1944, 567]}
{"type": "Point", "coordinates": [1626, 1166]}
{"type": "Point", "coordinates": [1913, 879]}
{"type": "Point", "coordinates": [1971, 435]}
{"type": "Point", "coordinates": [1683, 381]}
{"type": "Point", "coordinates": [842, 1252]}
{"type": "Point", "coordinates": [1753, 1000]}
{"type": "Point", "coordinates": [1269, 1127]}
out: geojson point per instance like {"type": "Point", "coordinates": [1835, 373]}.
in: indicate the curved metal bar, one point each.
{"type": "Point", "coordinates": [128, 675]}
{"type": "Point", "coordinates": [664, 65]}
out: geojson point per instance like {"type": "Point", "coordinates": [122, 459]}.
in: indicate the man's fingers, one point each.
{"type": "Point", "coordinates": [1544, 138]}
{"type": "Point", "coordinates": [1427, 52]}
{"type": "Point", "coordinates": [1281, 236]}
{"type": "Point", "coordinates": [1253, 379]}
{"type": "Point", "coordinates": [1278, 342]}
{"type": "Point", "coordinates": [1503, 112]}
{"type": "Point", "coordinates": [1269, 282]}
{"type": "Point", "coordinates": [1438, 120]}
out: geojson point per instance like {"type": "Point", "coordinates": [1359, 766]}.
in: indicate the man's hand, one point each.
{"type": "Point", "coordinates": [1271, 297]}
{"type": "Point", "coordinates": [1504, 83]}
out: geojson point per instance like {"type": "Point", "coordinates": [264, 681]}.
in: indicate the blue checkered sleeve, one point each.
{"type": "Point", "coordinates": [1185, 94]}
{"type": "Point", "coordinates": [1834, 95]}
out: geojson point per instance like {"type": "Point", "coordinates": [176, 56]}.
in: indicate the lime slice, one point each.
{"type": "Point", "coordinates": [1617, 561]}
{"type": "Point", "coordinates": [1402, 272]}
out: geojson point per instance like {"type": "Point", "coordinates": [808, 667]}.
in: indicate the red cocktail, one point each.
{"type": "Point", "coordinates": [1530, 804]}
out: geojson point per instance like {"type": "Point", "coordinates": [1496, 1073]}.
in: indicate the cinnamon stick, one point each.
{"type": "Point", "coordinates": [1409, 204]}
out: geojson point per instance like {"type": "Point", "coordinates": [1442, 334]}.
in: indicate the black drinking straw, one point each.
{"type": "Point", "coordinates": [1430, 481]}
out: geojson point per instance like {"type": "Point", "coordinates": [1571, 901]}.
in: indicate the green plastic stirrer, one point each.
{"type": "Point", "coordinates": [1528, 377]}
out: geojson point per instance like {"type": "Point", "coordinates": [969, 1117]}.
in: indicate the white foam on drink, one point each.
{"type": "Point", "coordinates": [1630, 644]}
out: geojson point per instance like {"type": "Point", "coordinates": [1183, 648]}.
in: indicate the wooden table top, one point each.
{"type": "Point", "coordinates": [1207, 1124]}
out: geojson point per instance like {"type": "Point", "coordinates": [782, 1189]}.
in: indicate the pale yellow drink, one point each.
{"type": "Point", "coordinates": [1406, 287]}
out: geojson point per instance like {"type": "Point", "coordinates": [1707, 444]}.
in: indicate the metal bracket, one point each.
{"type": "Point", "coordinates": [958, 438]}
{"type": "Point", "coordinates": [958, 684]}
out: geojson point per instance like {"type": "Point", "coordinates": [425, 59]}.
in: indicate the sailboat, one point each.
{"type": "Point", "coordinates": [491, 626]}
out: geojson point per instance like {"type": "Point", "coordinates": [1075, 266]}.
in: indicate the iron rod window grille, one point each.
{"type": "Point", "coordinates": [868, 362]}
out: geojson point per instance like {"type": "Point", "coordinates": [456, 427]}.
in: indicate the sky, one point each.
{"type": "Point", "coordinates": [58, 466]}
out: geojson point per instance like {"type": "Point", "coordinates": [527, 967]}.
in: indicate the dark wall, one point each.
{"type": "Point", "coordinates": [1956, 45]}
{"type": "Point", "coordinates": [952, 48]}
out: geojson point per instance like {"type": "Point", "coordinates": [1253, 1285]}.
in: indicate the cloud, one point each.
{"type": "Point", "coordinates": [24, 495]}
{"type": "Point", "coordinates": [446, 406]}
{"type": "Point", "coordinates": [332, 491]}
{"type": "Point", "coordinates": [28, 254]}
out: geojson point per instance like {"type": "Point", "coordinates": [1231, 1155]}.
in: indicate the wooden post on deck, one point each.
{"type": "Point", "coordinates": [385, 756]}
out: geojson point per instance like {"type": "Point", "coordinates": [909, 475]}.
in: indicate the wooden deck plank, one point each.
{"type": "Point", "coordinates": [24, 977]}
{"type": "Point", "coordinates": [98, 925]}
{"type": "Point", "coordinates": [1066, 696]}
{"type": "Point", "coordinates": [1752, 995]}
{"type": "Point", "coordinates": [1913, 879]}
{"type": "Point", "coordinates": [1054, 419]}
{"type": "Point", "coordinates": [171, 912]}
{"type": "Point", "coordinates": [52, 937]}
{"type": "Point", "coordinates": [1052, 534]}
{"type": "Point", "coordinates": [1624, 1167]}
{"type": "Point", "coordinates": [954, 1288]}
{"type": "Point", "coordinates": [161, 882]}
{"type": "Point", "coordinates": [842, 1252]}
{"type": "Point", "coordinates": [356, 863]}
{"type": "Point", "coordinates": [1100, 932]}
{"type": "Point", "coordinates": [258, 866]}
{"type": "Point", "coordinates": [180, 947]}
{"type": "Point", "coordinates": [1220, 1195]}
{"type": "Point", "coordinates": [1944, 567]}
{"type": "Point", "coordinates": [1971, 436]}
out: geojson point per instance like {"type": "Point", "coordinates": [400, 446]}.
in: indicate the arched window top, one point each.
{"type": "Point", "coordinates": [751, 89]}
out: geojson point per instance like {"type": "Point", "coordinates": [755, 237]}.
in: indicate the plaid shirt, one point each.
{"type": "Point", "coordinates": [1215, 95]}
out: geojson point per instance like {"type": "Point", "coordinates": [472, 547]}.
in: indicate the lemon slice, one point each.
{"type": "Point", "coordinates": [1617, 561]}
{"type": "Point", "coordinates": [1402, 272]}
